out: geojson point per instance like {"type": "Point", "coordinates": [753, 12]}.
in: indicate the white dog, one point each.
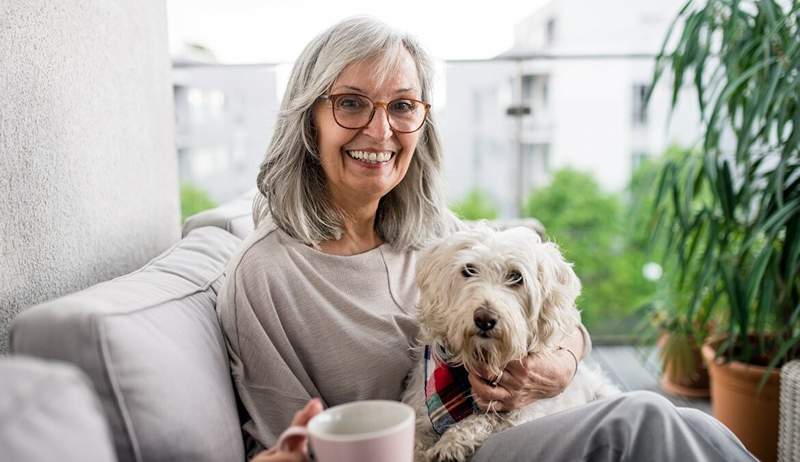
{"type": "Point", "coordinates": [487, 298]}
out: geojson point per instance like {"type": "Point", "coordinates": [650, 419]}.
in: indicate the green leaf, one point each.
{"type": "Point", "coordinates": [758, 273]}
{"type": "Point", "coordinates": [728, 93]}
{"type": "Point", "coordinates": [780, 217]}
{"type": "Point", "coordinates": [777, 359]}
{"type": "Point", "coordinates": [767, 305]}
{"type": "Point", "coordinates": [725, 189]}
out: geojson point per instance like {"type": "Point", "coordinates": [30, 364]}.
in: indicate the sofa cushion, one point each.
{"type": "Point", "coordinates": [235, 216]}
{"type": "Point", "coordinates": [151, 344]}
{"type": "Point", "coordinates": [48, 412]}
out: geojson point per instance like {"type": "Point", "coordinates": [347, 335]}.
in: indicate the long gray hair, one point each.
{"type": "Point", "coordinates": [291, 180]}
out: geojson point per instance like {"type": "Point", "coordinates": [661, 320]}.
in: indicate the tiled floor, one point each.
{"type": "Point", "coordinates": [634, 368]}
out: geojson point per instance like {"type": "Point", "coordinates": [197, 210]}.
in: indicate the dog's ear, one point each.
{"type": "Point", "coordinates": [559, 288]}
{"type": "Point", "coordinates": [427, 263]}
{"type": "Point", "coordinates": [434, 262]}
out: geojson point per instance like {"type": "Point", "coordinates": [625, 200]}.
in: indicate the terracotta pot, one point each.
{"type": "Point", "coordinates": [693, 385]}
{"type": "Point", "coordinates": [737, 403]}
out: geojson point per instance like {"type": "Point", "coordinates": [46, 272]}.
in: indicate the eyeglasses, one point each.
{"type": "Point", "coordinates": [354, 112]}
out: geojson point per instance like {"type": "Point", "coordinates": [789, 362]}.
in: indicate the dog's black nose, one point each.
{"type": "Point", "coordinates": [484, 319]}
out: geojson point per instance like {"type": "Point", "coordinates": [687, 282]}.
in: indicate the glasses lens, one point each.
{"type": "Point", "coordinates": [352, 111]}
{"type": "Point", "coordinates": [406, 115]}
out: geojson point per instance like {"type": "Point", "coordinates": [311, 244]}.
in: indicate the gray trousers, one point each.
{"type": "Point", "coordinates": [635, 426]}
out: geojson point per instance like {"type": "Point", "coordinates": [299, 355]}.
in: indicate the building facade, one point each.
{"type": "Point", "coordinates": [224, 116]}
{"type": "Point", "coordinates": [570, 93]}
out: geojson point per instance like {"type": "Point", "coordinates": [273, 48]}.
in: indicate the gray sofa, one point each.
{"type": "Point", "coordinates": [152, 350]}
{"type": "Point", "coordinates": [49, 412]}
{"type": "Point", "coordinates": [149, 346]}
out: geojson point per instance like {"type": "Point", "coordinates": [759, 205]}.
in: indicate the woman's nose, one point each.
{"type": "Point", "coordinates": [379, 128]}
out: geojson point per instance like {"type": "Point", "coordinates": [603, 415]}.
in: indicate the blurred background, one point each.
{"type": "Point", "coordinates": [541, 104]}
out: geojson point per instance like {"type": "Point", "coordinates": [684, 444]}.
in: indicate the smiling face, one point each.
{"type": "Point", "coordinates": [363, 165]}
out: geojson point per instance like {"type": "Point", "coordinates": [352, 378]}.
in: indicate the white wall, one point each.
{"type": "Point", "coordinates": [88, 176]}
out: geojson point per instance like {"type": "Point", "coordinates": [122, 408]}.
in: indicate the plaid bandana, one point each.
{"type": "Point", "coordinates": [448, 394]}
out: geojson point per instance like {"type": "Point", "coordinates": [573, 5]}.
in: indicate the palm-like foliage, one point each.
{"type": "Point", "coordinates": [730, 214]}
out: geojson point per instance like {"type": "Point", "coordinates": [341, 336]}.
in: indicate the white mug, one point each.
{"type": "Point", "coordinates": [361, 431]}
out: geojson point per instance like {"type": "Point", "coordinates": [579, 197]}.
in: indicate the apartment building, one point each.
{"type": "Point", "coordinates": [570, 92]}
{"type": "Point", "coordinates": [224, 116]}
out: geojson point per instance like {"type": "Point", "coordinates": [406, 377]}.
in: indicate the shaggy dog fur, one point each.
{"type": "Point", "coordinates": [530, 289]}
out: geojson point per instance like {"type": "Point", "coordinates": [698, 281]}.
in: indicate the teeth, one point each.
{"type": "Point", "coordinates": [371, 157]}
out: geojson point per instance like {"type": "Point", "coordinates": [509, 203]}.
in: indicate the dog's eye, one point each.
{"type": "Point", "coordinates": [514, 278]}
{"type": "Point", "coordinates": [469, 270]}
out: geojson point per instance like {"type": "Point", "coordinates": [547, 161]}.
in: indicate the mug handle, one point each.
{"type": "Point", "coordinates": [283, 441]}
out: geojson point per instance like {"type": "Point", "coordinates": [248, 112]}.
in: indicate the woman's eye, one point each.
{"type": "Point", "coordinates": [402, 106]}
{"type": "Point", "coordinates": [514, 278]}
{"type": "Point", "coordinates": [350, 103]}
{"type": "Point", "coordinates": [469, 270]}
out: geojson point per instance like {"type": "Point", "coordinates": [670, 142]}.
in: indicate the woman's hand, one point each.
{"type": "Point", "coordinates": [532, 378]}
{"type": "Point", "coordinates": [296, 445]}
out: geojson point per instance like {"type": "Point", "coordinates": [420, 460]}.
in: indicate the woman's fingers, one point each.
{"type": "Point", "coordinates": [518, 368]}
{"type": "Point", "coordinates": [297, 443]}
{"type": "Point", "coordinates": [485, 394]}
{"type": "Point", "coordinates": [508, 378]}
{"type": "Point", "coordinates": [282, 456]}
{"type": "Point", "coordinates": [312, 408]}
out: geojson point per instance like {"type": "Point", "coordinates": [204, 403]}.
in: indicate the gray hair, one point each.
{"type": "Point", "coordinates": [291, 180]}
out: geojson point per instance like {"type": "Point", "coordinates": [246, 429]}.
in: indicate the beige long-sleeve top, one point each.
{"type": "Point", "coordinates": [300, 323]}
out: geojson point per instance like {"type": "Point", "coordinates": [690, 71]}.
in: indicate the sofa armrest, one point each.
{"type": "Point", "coordinates": [151, 343]}
{"type": "Point", "coordinates": [49, 412]}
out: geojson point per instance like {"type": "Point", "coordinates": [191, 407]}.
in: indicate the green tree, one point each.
{"type": "Point", "coordinates": [194, 200]}
{"type": "Point", "coordinates": [477, 205]}
{"type": "Point", "coordinates": [598, 236]}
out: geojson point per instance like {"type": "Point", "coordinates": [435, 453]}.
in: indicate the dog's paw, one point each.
{"type": "Point", "coordinates": [449, 451]}
{"type": "Point", "coordinates": [421, 453]}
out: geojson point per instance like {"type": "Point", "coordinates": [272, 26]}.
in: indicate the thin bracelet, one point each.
{"type": "Point", "coordinates": [574, 357]}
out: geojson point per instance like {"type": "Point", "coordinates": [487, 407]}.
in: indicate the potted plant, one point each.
{"type": "Point", "coordinates": [729, 214]}
{"type": "Point", "coordinates": [679, 340]}
{"type": "Point", "coordinates": [678, 336]}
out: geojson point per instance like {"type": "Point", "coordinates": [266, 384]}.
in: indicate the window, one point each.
{"type": "Point", "coordinates": [545, 91]}
{"type": "Point", "coordinates": [535, 165]}
{"type": "Point", "coordinates": [535, 90]}
{"type": "Point", "coordinates": [528, 83]}
{"type": "Point", "coordinates": [203, 104]}
{"type": "Point", "coordinates": [550, 31]}
{"type": "Point", "coordinates": [640, 104]}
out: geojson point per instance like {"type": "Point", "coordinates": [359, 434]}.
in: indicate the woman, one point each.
{"type": "Point", "coordinates": [320, 301]}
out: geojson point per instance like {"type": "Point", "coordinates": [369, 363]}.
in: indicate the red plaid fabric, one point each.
{"type": "Point", "coordinates": [448, 395]}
